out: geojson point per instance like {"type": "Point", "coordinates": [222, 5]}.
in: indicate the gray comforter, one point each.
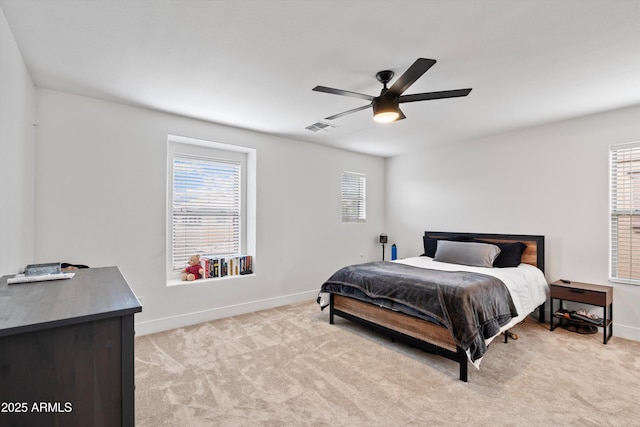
{"type": "Point", "coordinates": [472, 306]}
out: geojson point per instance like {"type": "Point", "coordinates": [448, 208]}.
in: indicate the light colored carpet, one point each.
{"type": "Point", "coordinates": [288, 367]}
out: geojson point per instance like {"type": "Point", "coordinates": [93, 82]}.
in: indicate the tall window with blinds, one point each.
{"type": "Point", "coordinates": [206, 208]}
{"type": "Point", "coordinates": [354, 200]}
{"type": "Point", "coordinates": [625, 212]}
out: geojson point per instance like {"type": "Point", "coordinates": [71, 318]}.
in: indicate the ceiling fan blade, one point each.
{"type": "Point", "coordinates": [401, 116]}
{"type": "Point", "coordinates": [343, 92]}
{"type": "Point", "coordinates": [434, 95]}
{"type": "Point", "coordinates": [409, 77]}
{"type": "Point", "coordinates": [344, 113]}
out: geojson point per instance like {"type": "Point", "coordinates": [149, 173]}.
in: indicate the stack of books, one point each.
{"type": "Point", "coordinates": [231, 266]}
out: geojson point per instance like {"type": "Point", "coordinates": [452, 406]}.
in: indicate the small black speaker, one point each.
{"type": "Point", "coordinates": [383, 238]}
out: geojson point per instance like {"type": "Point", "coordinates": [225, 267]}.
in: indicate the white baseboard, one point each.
{"type": "Point", "coordinates": [627, 332]}
{"type": "Point", "coordinates": [182, 320]}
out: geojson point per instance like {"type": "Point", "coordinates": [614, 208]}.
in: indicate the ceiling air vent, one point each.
{"type": "Point", "coordinates": [320, 126]}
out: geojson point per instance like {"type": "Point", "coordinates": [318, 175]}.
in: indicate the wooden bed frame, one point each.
{"type": "Point", "coordinates": [421, 333]}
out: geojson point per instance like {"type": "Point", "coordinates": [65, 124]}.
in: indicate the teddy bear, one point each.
{"type": "Point", "coordinates": [194, 270]}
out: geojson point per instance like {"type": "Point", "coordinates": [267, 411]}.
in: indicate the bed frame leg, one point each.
{"type": "Point", "coordinates": [462, 360]}
{"type": "Point", "coordinates": [508, 334]}
{"type": "Point", "coordinates": [541, 314]}
{"type": "Point", "coordinates": [331, 309]}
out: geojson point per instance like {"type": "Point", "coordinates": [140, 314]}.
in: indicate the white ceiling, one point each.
{"type": "Point", "coordinates": [252, 64]}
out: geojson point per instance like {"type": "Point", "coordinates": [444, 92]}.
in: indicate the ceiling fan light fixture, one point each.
{"type": "Point", "coordinates": [386, 117]}
{"type": "Point", "coordinates": [385, 110]}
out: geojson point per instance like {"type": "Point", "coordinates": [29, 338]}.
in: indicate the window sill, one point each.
{"type": "Point", "coordinates": [178, 282]}
{"type": "Point", "coordinates": [625, 281]}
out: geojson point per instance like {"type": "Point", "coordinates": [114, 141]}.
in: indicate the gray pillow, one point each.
{"type": "Point", "coordinates": [467, 253]}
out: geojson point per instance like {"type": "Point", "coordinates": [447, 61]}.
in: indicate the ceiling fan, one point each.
{"type": "Point", "coordinates": [386, 105]}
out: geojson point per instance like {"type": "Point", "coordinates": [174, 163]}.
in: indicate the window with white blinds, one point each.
{"type": "Point", "coordinates": [206, 208]}
{"type": "Point", "coordinates": [625, 212]}
{"type": "Point", "coordinates": [354, 200]}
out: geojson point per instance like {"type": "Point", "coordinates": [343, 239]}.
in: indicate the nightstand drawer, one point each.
{"type": "Point", "coordinates": [579, 295]}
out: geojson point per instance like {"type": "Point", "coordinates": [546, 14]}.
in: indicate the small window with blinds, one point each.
{"type": "Point", "coordinates": [625, 212]}
{"type": "Point", "coordinates": [206, 208]}
{"type": "Point", "coordinates": [354, 200]}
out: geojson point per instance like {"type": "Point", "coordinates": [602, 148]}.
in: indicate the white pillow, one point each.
{"type": "Point", "coordinates": [467, 253]}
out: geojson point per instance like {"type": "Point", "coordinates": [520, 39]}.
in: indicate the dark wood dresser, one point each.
{"type": "Point", "coordinates": [67, 351]}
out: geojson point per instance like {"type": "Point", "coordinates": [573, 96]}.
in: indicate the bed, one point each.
{"type": "Point", "coordinates": [465, 290]}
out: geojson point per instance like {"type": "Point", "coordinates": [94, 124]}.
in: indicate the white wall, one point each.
{"type": "Point", "coordinates": [101, 194]}
{"type": "Point", "coordinates": [17, 116]}
{"type": "Point", "coordinates": [551, 180]}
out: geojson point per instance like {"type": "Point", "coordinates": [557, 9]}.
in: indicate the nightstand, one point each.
{"type": "Point", "coordinates": [586, 293]}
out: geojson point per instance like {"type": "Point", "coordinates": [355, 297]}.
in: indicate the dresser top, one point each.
{"type": "Point", "coordinates": [91, 294]}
